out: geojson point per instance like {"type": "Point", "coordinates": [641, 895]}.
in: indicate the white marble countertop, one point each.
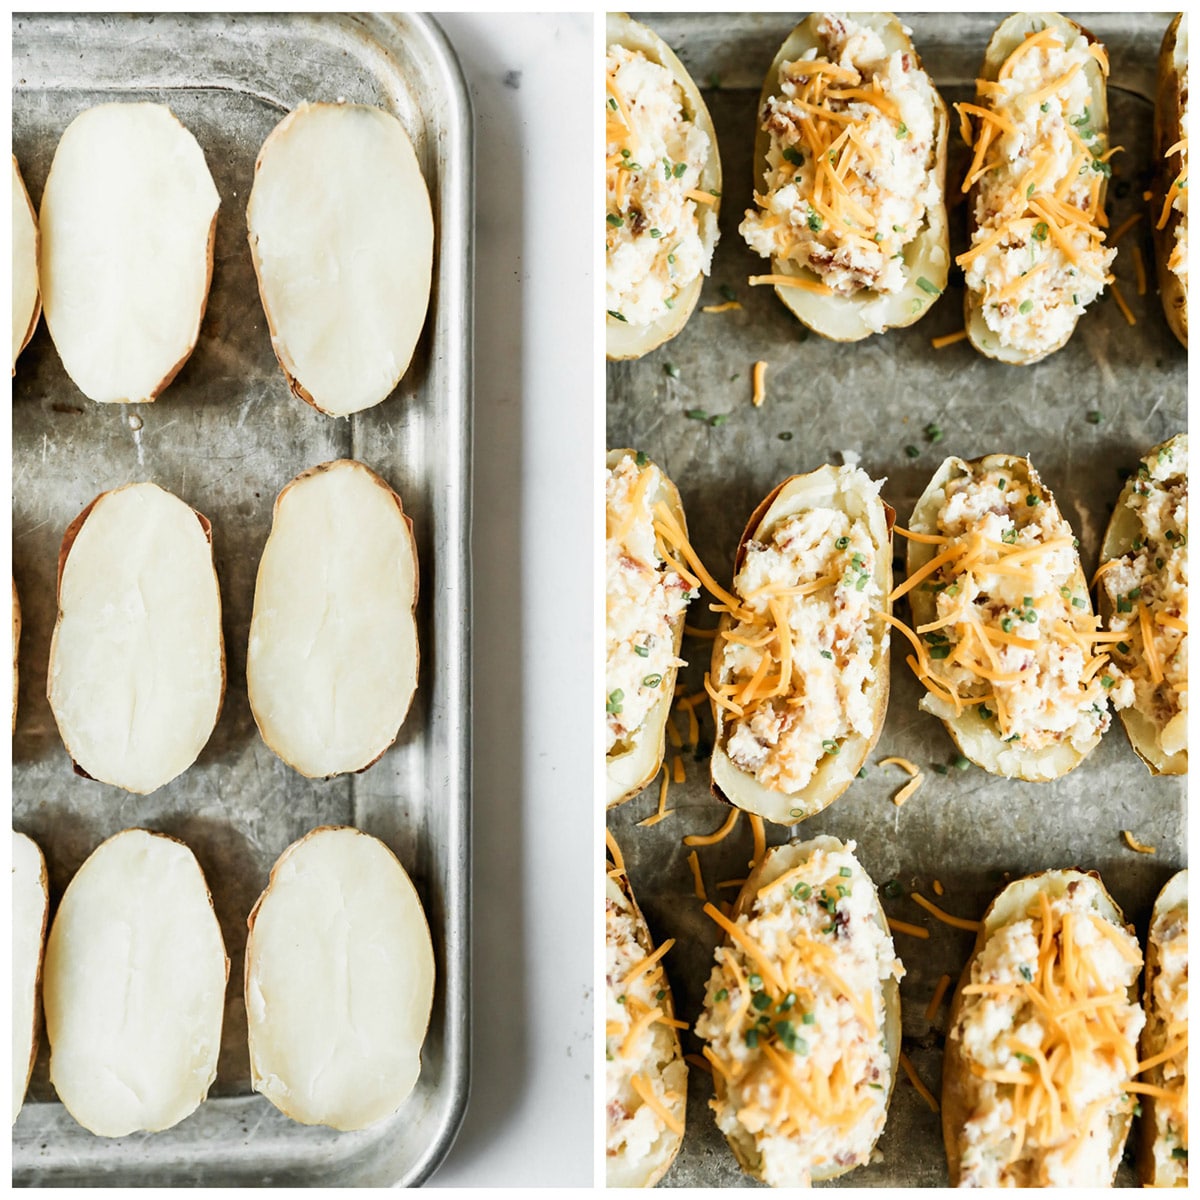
{"type": "Point", "coordinates": [537, 440]}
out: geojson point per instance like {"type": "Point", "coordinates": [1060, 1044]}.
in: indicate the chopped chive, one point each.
{"type": "Point", "coordinates": [933, 432]}
{"type": "Point", "coordinates": [892, 889]}
{"type": "Point", "coordinates": [696, 414]}
{"type": "Point", "coordinates": [785, 436]}
{"type": "Point", "coordinates": [718, 419]}
{"type": "Point", "coordinates": [1026, 306]}
{"type": "Point", "coordinates": [802, 891]}
{"type": "Point", "coordinates": [616, 316]}
{"type": "Point", "coordinates": [615, 220]}
{"type": "Point", "coordinates": [829, 746]}
{"type": "Point", "coordinates": [614, 701]}
{"type": "Point", "coordinates": [1123, 647]}
{"type": "Point", "coordinates": [862, 772]}
{"type": "Point", "coordinates": [641, 458]}
{"type": "Point", "coordinates": [727, 293]}
{"type": "Point", "coordinates": [928, 287]}
{"type": "Point", "coordinates": [814, 221]}
{"type": "Point", "coordinates": [961, 762]}
{"type": "Point", "coordinates": [1095, 416]}
{"type": "Point", "coordinates": [652, 681]}
{"type": "Point", "coordinates": [940, 768]}
{"type": "Point", "coordinates": [679, 170]}
{"type": "Point", "coordinates": [842, 543]}
{"type": "Point", "coordinates": [902, 131]}
{"type": "Point", "coordinates": [752, 1038]}
{"type": "Point", "coordinates": [792, 155]}
{"type": "Point", "coordinates": [912, 451]}
{"type": "Point", "coordinates": [672, 370]}
{"type": "Point", "coordinates": [845, 872]}
{"type": "Point", "coordinates": [809, 1018]}
{"type": "Point", "coordinates": [723, 994]}
{"type": "Point", "coordinates": [1032, 501]}
{"type": "Point", "coordinates": [939, 652]}
{"type": "Point", "coordinates": [827, 654]}
{"type": "Point", "coordinates": [642, 651]}
{"type": "Point", "coordinates": [1078, 602]}
{"type": "Point", "coordinates": [656, 233]}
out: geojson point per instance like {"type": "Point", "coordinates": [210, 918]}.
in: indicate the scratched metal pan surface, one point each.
{"type": "Point", "coordinates": [226, 436]}
{"type": "Point", "coordinates": [966, 829]}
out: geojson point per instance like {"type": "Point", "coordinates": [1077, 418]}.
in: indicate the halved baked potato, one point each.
{"type": "Point", "coordinates": [1002, 620]}
{"type": "Point", "coordinates": [30, 910]}
{"type": "Point", "coordinates": [802, 1016]}
{"type": "Point", "coordinates": [799, 675]}
{"type": "Point", "coordinates": [1037, 185]}
{"type": "Point", "coordinates": [1163, 1143]}
{"type": "Point", "coordinates": [26, 295]}
{"type": "Point", "coordinates": [646, 602]}
{"type": "Point", "coordinates": [662, 187]}
{"type": "Point", "coordinates": [645, 1075]}
{"type": "Point", "coordinates": [1143, 597]}
{"type": "Point", "coordinates": [1170, 184]}
{"type": "Point", "coordinates": [137, 660]}
{"type": "Point", "coordinates": [856, 233]}
{"type": "Point", "coordinates": [1042, 1042]}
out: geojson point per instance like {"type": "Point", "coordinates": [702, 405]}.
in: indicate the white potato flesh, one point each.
{"type": "Point", "coordinates": [341, 232]}
{"type": "Point", "coordinates": [332, 662]}
{"type": "Point", "coordinates": [339, 981]}
{"type": "Point", "coordinates": [137, 663]}
{"type": "Point", "coordinates": [31, 903]}
{"type": "Point", "coordinates": [127, 223]}
{"type": "Point", "coordinates": [135, 987]}
{"type": "Point", "coordinates": [25, 299]}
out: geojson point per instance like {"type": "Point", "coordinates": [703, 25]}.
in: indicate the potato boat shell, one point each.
{"type": "Point", "coordinates": [1009, 906]}
{"type": "Point", "coordinates": [1173, 894]}
{"type": "Point", "coordinates": [822, 488]}
{"type": "Point", "coordinates": [1168, 129]}
{"type": "Point", "coordinates": [16, 649]}
{"type": "Point", "coordinates": [69, 538]}
{"type": "Point", "coordinates": [775, 862]}
{"type": "Point", "coordinates": [620, 1173]}
{"type": "Point", "coordinates": [629, 772]}
{"type": "Point", "coordinates": [976, 738]}
{"type": "Point", "coordinates": [1010, 33]}
{"type": "Point", "coordinates": [29, 949]}
{"type": "Point", "coordinates": [852, 318]}
{"type": "Point", "coordinates": [623, 340]}
{"type": "Point", "coordinates": [1123, 529]}
{"type": "Point", "coordinates": [23, 215]}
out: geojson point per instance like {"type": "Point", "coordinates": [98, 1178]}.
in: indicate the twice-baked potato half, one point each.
{"type": "Point", "coordinates": [30, 909]}
{"type": "Point", "coordinates": [26, 295]}
{"type": "Point", "coordinates": [1005, 638]}
{"type": "Point", "coordinates": [1143, 595]}
{"type": "Point", "coordinates": [647, 588]}
{"type": "Point", "coordinates": [851, 153]}
{"type": "Point", "coordinates": [645, 1076]}
{"type": "Point", "coordinates": [1163, 1143]}
{"type": "Point", "coordinates": [799, 675]}
{"type": "Point", "coordinates": [802, 1016]}
{"type": "Point", "coordinates": [1042, 1042]}
{"type": "Point", "coordinates": [1038, 130]}
{"type": "Point", "coordinates": [662, 190]}
{"type": "Point", "coordinates": [1170, 187]}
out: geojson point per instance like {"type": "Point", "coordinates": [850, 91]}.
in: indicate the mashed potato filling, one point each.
{"type": "Point", "coordinates": [1049, 1037]}
{"type": "Point", "coordinates": [794, 1017]}
{"type": "Point", "coordinates": [1037, 257]}
{"type": "Point", "coordinates": [796, 665]}
{"type": "Point", "coordinates": [1014, 632]}
{"type": "Point", "coordinates": [641, 1053]}
{"type": "Point", "coordinates": [851, 163]}
{"type": "Point", "coordinates": [654, 158]}
{"type": "Point", "coordinates": [644, 600]}
{"type": "Point", "coordinates": [1147, 588]}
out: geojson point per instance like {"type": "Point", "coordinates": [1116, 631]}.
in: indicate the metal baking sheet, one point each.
{"type": "Point", "coordinates": [226, 436]}
{"type": "Point", "coordinates": [967, 829]}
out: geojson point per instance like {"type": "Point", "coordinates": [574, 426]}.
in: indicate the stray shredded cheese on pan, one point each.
{"type": "Point", "coordinates": [915, 1080]}
{"type": "Point", "coordinates": [760, 385]}
{"type": "Point", "coordinates": [1134, 844]}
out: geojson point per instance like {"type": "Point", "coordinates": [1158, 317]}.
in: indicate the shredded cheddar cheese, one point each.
{"type": "Point", "coordinates": [1134, 844]}
{"type": "Point", "coordinates": [915, 1080]}
{"type": "Point", "coordinates": [760, 387]}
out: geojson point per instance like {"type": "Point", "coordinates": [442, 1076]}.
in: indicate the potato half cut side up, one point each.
{"type": "Point", "coordinates": [341, 233]}
{"type": "Point", "coordinates": [1046, 1006]}
{"type": "Point", "coordinates": [339, 981]}
{"type": "Point", "coordinates": [850, 177]}
{"type": "Point", "coordinates": [645, 607]}
{"type": "Point", "coordinates": [26, 296]}
{"type": "Point", "coordinates": [135, 987]}
{"type": "Point", "coordinates": [662, 190]}
{"type": "Point", "coordinates": [332, 661]}
{"type": "Point", "coordinates": [1162, 1154]}
{"type": "Point", "coordinates": [1038, 133]}
{"type": "Point", "coordinates": [799, 675]}
{"type": "Point", "coordinates": [137, 661]}
{"type": "Point", "coordinates": [31, 906]}
{"type": "Point", "coordinates": [1005, 639]}
{"type": "Point", "coordinates": [1170, 197]}
{"type": "Point", "coordinates": [128, 222]}
{"type": "Point", "coordinates": [802, 1016]}
{"type": "Point", "coordinates": [645, 1075]}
